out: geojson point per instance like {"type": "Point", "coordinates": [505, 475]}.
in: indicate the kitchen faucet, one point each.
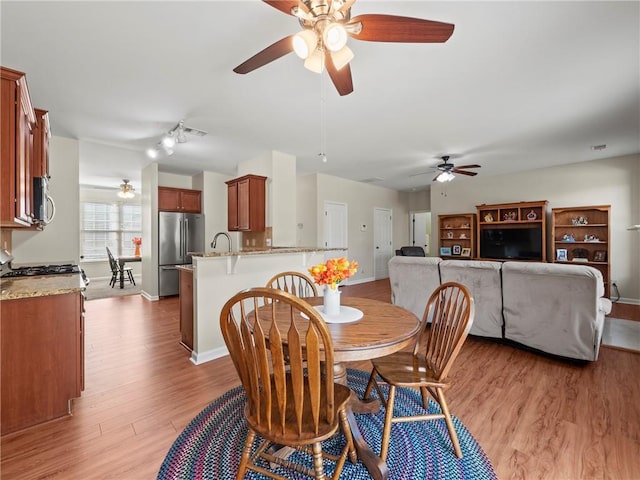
{"type": "Point", "coordinates": [215, 239]}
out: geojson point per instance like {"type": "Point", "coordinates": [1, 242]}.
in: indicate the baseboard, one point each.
{"type": "Point", "coordinates": [630, 301]}
{"type": "Point", "coordinates": [209, 355]}
{"type": "Point", "coordinates": [151, 298]}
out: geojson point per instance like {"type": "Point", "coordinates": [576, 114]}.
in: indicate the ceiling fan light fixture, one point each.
{"type": "Point", "coordinates": [334, 36]}
{"type": "Point", "coordinates": [342, 57]}
{"type": "Point", "coordinates": [315, 61]}
{"type": "Point", "coordinates": [152, 153]}
{"type": "Point", "coordinates": [126, 189]}
{"type": "Point", "coordinates": [304, 43]}
{"type": "Point", "coordinates": [445, 177]}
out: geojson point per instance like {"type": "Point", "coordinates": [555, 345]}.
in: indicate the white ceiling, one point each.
{"type": "Point", "coordinates": [520, 85]}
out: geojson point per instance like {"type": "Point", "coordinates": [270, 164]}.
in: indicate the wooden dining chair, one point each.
{"type": "Point", "coordinates": [450, 310]}
{"type": "Point", "coordinates": [295, 283]}
{"type": "Point", "coordinates": [289, 401]}
{"type": "Point", "coordinates": [115, 270]}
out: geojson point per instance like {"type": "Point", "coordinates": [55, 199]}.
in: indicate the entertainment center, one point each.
{"type": "Point", "coordinates": [512, 231]}
{"type": "Point", "coordinates": [518, 231]}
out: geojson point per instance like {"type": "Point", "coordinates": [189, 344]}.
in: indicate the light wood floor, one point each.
{"type": "Point", "coordinates": [536, 417]}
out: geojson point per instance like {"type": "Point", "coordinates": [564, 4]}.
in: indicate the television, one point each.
{"type": "Point", "coordinates": [515, 243]}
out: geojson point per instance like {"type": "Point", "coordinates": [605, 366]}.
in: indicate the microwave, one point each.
{"type": "Point", "coordinates": [44, 208]}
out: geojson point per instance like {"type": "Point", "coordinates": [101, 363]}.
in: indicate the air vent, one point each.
{"type": "Point", "coordinates": [372, 180]}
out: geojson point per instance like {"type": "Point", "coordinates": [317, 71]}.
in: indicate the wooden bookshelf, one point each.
{"type": "Point", "coordinates": [456, 232]}
{"type": "Point", "coordinates": [580, 235]}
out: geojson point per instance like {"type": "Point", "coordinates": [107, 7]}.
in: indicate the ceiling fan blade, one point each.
{"type": "Point", "coordinates": [392, 28]}
{"type": "Point", "coordinates": [435, 178]}
{"type": "Point", "coordinates": [464, 172]}
{"type": "Point", "coordinates": [420, 173]}
{"type": "Point", "coordinates": [284, 6]}
{"type": "Point", "coordinates": [340, 78]}
{"type": "Point", "coordinates": [469, 166]}
{"type": "Point", "coordinates": [269, 54]}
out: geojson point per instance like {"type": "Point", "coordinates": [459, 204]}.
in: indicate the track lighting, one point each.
{"type": "Point", "coordinates": [176, 135]}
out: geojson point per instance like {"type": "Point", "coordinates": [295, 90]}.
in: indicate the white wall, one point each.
{"type": "Point", "coordinates": [174, 180]}
{"type": "Point", "coordinates": [306, 211]}
{"type": "Point", "coordinates": [214, 208]}
{"type": "Point", "coordinates": [283, 200]}
{"type": "Point", "coordinates": [614, 181]}
{"type": "Point", "coordinates": [60, 240]}
{"type": "Point", "coordinates": [149, 249]}
{"type": "Point", "coordinates": [361, 198]}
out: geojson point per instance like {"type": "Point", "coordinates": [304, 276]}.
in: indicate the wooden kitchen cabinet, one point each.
{"type": "Point", "coordinates": [42, 134]}
{"type": "Point", "coordinates": [186, 308]}
{"type": "Point", "coordinates": [17, 120]}
{"type": "Point", "coordinates": [42, 341]}
{"type": "Point", "coordinates": [179, 200]}
{"type": "Point", "coordinates": [246, 203]}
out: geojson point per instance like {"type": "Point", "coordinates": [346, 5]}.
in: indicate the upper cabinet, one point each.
{"type": "Point", "coordinates": [42, 133]}
{"type": "Point", "coordinates": [18, 122]}
{"type": "Point", "coordinates": [179, 200]}
{"type": "Point", "coordinates": [246, 203]}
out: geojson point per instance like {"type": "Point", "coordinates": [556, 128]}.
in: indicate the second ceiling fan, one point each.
{"type": "Point", "coordinates": [327, 24]}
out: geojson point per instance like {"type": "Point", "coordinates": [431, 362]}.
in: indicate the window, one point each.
{"type": "Point", "coordinates": [110, 225]}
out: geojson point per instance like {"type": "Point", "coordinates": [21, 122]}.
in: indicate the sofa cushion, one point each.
{"type": "Point", "coordinates": [413, 280]}
{"type": "Point", "coordinates": [556, 308]}
{"type": "Point", "coordinates": [483, 280]}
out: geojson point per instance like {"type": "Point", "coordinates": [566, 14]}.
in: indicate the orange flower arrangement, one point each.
{"type": "Point", "coordinates": [137, 241]}
{"type": "Point", "coordinates": [334, 271]}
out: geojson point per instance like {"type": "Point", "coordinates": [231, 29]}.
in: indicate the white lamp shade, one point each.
{"type": "Point", "coordinates": [342, 57]}
{"type": "Point", "coordinates": [315, 61]}
{"type": "Point", "coordinates": [445, 177]}
{"type": "Point", "coordinates": [304, 43]}
{"type": "Point", "coordinates": [152, 153]}
{"type": "Point", "coordinates": [334, 37]}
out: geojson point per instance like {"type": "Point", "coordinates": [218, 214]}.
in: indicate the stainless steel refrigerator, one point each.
{"type": "Point", "coordinates": [178, 234]}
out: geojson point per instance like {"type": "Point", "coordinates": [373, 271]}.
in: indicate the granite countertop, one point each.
{"type": "Point", "coordinates": [40, 286]}
{"type": "Point", "coordinates": [264, 251]}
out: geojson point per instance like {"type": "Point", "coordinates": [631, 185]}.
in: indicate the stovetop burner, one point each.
{"type": "Point", "coordinates": [42, 270]}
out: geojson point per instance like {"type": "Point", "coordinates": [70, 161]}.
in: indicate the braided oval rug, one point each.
{"type": "Point", "coordinates": [209, 448]}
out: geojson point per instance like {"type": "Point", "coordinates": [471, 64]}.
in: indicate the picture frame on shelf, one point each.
{"type": "Point", "coordinates": [445, 251]}
{"type": "Point", "coordinates": [561, 255]}
{"type": "Point", "coordinates": [600, 256]}
{"type": "Point", "coordinates": [456, 249]}
{"type": "Point", "coordinates": [466, 252]}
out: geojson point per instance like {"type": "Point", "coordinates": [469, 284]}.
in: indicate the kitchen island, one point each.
{"type": "Point", "coordinates": [217, 276]}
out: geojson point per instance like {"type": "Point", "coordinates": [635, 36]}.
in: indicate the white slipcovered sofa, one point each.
{"type": "Point", "coordinates": [555, 308]}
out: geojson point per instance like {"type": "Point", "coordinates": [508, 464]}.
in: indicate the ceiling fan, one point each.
{"type": "Point", "coordinates": [447, 170]}
{"type": "Point", "coordinates": [326, 25]}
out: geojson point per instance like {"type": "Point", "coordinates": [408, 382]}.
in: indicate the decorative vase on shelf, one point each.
{"type": "Point", "coordinates": [331, 301]}
{"type": "Point", "coordinates": [137, 252]}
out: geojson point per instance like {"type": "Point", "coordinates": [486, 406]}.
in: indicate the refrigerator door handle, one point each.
{"type": "Point", "coordinates": [167, 267]}
{"type": "Point", "coordinates": [186, 239]}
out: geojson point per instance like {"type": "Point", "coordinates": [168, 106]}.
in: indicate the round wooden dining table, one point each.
{"type": "Point", "coordinates": [383, 329]}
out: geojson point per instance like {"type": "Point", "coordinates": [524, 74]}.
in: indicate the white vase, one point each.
{"type": "Point", "coordinates": [331, 301]}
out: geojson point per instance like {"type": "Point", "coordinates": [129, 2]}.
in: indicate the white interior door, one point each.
{"type": "Point", "coordinates": [418, 231]}
{"type": "Point", "coordinates": [335, 229]}
{"type": "Point", "coordinates": [382, 241]}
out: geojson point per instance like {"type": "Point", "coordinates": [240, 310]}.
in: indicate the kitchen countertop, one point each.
{"type": "Point", "coordinates": [265, 251]}
{"type": "Point", "coordinates": [40, 286]}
